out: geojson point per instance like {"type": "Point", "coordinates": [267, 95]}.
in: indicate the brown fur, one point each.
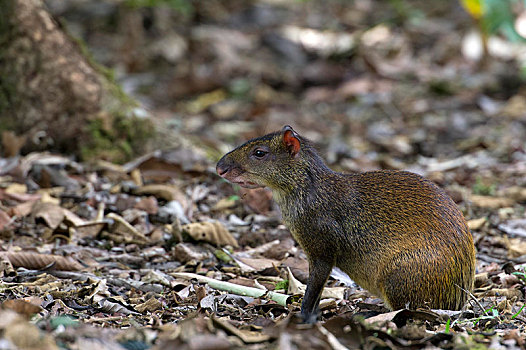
{"type": "Point", "coordinates": [393, 232]}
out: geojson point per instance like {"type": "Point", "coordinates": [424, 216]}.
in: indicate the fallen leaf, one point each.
{"type": "Point", "coordinates": [90, 229]}
{"type": "Point", "coordinates": [23, 209]}
{"type": "Point", "coordinates": [185, 252]}
{"type": "Point", "coordinates": [50, 213]}
{"type": "Point", "coordinates": [491, 202]}
{"type": "Point", "coordinates": [148, 204]}
{"type": "Point", "coordinates": [258, 199]}
{"type": "Point", "coordinates": [476, 224]}
{"type": "Point", "coordinates": [166, 192]}
{"type": "Point", "coordinates": [22, 307]}
{"type": "Point", "coordinates": [12, 143]}
{"type": "Point", "coordinates": [5, 220]}
{"type": "Point", "coordinates": [16, 188]}
{"type": "Point", "coordinates": [35, 261]}
{"type": "Point", "coordinates": [150, 305]}
{"type": "Point", "coordinates": [212, 232]}
{"type": "Point", "coordinates": [516, 247]}
{"type": "Point", "coordinates": [25, 335]}
{"type": "Point", "coordinates": [247, 336]}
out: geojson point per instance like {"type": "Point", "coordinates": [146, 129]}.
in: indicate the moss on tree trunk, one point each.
{"type": "Point", "coordinates": [52, 92]}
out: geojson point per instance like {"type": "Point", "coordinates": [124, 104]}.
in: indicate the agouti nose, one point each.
{"type": "Point", "coordinates": [221, 171]}
{"type": "Point", "coordinates": [222, 167]}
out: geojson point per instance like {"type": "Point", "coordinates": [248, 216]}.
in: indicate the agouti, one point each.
{"type": "Point", "coordinates": [394, 233]}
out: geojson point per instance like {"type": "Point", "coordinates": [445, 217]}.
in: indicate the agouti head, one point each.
{"type": "Point", "coordinates": [278, 160]}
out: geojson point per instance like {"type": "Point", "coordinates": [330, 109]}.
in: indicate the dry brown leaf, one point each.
{"type": "Point", "coordinates": [515, 107]}
{"type": "Point", "coordinates": [517, 193]}
{"type": "Point", "coordinates": [6, 268]}
{"type": "Point", "coordinates": [5, 220]}
{"type": "Point", "coordinates": [504, 292]}
{"type": "Point", "coordinates": [212, 232]}
{"type": "Point", "coordinates": [35, 261]}
{"type": "Point", "coordinates": [136, 177]}
{"type": "Point", "coordinates": [246, 336]}
{"type": "Point", "coordinates": [185, 252]}
{"type": "Point", "coordinates": [491, 202]}
{"type": "Point", "coordinates": [481, 279]}
{"type": "Point", "coordinates": [126, 230]}
{"type": "Point", "coordinates": [385, 317]}
{"type": "Point", "coordinates": [71, 219]}
{"type": "Point", "coordinates": [16, 189]}
{"type": "Point", "coordinates": [23, 334]}
{"type": "Point", "coordinates": [48, 198]}
{"type": "Point", "coordinates": [91, 229]}
{"type": "Point", "coordinates": [12, 143]}
{"type": "Point", "coordinates": [23, 209]}
{"type": "Point", "coordinates": [52, 214]}
{"type": "Point", "coordinates": [225, 203]}
{"type": "Point", "coordinates": [23, 197]}
{"type": "Point", "coordinates": [476, 224]}
{"type": "Point", "coordinates": [516, 247]}
{"type": "Point", "coordinates": [22, 306]}
{"type": "Point", "coordinates": [258, 199]}
{"type": "Point", "coordinates": [166, 192]}
{"type": "Point", "coordinates": [150, 305]}
{"type": "Point", "coordinates": [260, 264]}
{"type": "Point", "coordinates": [148, 204]}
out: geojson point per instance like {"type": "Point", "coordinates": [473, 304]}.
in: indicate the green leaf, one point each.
{"type": "Point", "coordinates": [63, 320]}
{"type": "Point", "coordinates": [283, 285]}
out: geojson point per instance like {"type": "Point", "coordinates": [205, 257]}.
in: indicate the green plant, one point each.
{"type": "Point", "coordinates": [448, 325]}
{"type": "Point", "coordinates": [483, 188]}
{"type": "Point", "coordinates": [282, 285]}
{"type": "Point", "coordinates": [518, 312]}
{"type": "Point", "coordinates": [487, 316]}
{"type": "Point", "coordinates": [495, 16]}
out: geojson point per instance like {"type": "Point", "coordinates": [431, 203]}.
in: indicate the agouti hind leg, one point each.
{"type": "Point", "coordinates": [416, 279]}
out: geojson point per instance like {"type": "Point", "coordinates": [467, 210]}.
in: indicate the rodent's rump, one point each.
{"type": "Point", "coordinates": [395, 233]}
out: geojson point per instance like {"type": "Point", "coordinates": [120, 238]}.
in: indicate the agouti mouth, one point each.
{"type": "Point", "coordinates": [246, 184]}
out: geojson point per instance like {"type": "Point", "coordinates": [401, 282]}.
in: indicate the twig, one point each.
{"type": "Point", "coordinates": [472, 297]}
{"type": "Point", "coordinates": [279, 298]}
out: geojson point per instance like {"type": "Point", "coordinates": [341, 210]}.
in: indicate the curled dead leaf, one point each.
{"type": "Point", "coordinates": [22, 307]}
{"type": "Point", "coordinates": [5, 220]}
{"type": "Point", "coordinates": [50, 213]}
{"type": "Point", "coordinates": [504, 292]}
{"type": "Point", "coordinates": [491, 202]}
{"type": "Point", "coordinates": [516, 192]}
{"type": "Point", "coordinates": [126, 230]}
{"type": "Point", "coordinates": [476, 224]}
{"type": "Point", "coordinates": [91, 229]}
{"type": "Point", "coordinates": [150, 305]}
{"type": "Point", "coordinates": [23, 334]}
{"type": "Point", "coordinates": [212, 232]}
{"type": "Point", "coordinates": [35, 261]}
{"type": "Point", "coordinates": [6, 268]}
{"type": "Point", "coordinates": [166, 192]}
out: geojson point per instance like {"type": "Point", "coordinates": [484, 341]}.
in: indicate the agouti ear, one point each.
{"type": "Point", "coordinates": [291, 141]}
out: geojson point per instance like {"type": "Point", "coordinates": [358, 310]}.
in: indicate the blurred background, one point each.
{"type": "Point", "coordinates": [400, 84]}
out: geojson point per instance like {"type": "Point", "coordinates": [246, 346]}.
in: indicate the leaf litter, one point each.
{"type": "Point", "coordinates": [160, 253]}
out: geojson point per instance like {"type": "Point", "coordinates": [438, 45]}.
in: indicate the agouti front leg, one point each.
{"type": "Point", "coordinates": [319, 271]}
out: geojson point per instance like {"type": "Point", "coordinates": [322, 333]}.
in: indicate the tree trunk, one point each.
{"type": "Point", "coordinates": [52, 93]}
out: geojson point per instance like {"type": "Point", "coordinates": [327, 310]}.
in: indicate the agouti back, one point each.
{"type": "Point", "coordinates": [394, 233]}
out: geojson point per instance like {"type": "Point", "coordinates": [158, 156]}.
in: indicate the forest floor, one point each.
{"type": "Point", "coordinates": [130, 256]}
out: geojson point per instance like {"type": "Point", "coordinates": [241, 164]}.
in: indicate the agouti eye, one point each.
{"type": "Point", "coordinates": [259, 153]}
